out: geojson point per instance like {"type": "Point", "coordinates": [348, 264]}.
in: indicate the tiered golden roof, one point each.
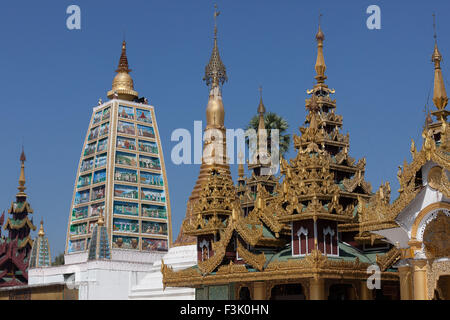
{"type": "Point", "coordinates": [215, 205]}
{"type": "Point", "coordinates": [323, 181]}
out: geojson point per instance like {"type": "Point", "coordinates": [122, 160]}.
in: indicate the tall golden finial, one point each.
{"type": "Point", "coordinates": [41, 232]}
{"type": "Point", "coordinates": [22, 174]}
{"type": "Point", "coordinates": [123, 85]}
{"type": "Point", "coordinates": [215, 71]}
{"type": "Point", "coordinates": [261, 110]}
{"type": "Point", "coordinates": [320, 62]}
{"type": "Point", "coordinates": [440, 98]}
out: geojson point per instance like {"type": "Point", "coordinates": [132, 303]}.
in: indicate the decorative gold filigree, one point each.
{"type": "Point", "coordinates": [378, 213]}
{"type": "Point", "coordinates": [388, 259]}
{"type": "Point", "coordinates": [255, 260]}
{"type": "Point", "coordinates": [436, 237]}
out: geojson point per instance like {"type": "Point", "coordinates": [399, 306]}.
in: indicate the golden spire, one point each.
{"type": "Point", "coordinates": [320, 62]}
{"type": "Point", "coordinates": [440, 98]}
{"type": "Point", "coordinates": [22, 175]}
{"type": "Point", "coordinates": [41, 232]}
{"type": "Point", "coordinates": [261, 111]}
{"type": "Point", "coordinates": [215, 75]}
{"type": "Point", "coordinates": [215, 71]}
{"type": "Point", "coordinates": [123, 87]}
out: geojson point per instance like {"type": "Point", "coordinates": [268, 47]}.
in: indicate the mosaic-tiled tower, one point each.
{"type": "Point", "coordinates": [121, 175]}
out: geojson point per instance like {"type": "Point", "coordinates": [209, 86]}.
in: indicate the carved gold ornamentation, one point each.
{"type": "Point", "coordinates": [434, 271]}
{"type": "Point", "coordinates": [436, 237]}
{"type": "Point", "coordinates": [378, 213]}
{"type": "Point", "coordinates": [434, 177]}
{"type": "Point", "coordinates": [389, 258]}
{"type": "Point", "coordinates": [255, 260]}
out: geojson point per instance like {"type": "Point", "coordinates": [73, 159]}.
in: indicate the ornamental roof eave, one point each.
{"type": "Point", "coordinates": [308, 267]}
{"type": "Point", "coordinates": [20, 207]}
{"type": "Point", "coordinates": [11, 224]}
{"type": "Point", "coordinates": [315, 215]}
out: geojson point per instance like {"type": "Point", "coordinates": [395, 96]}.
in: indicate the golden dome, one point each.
{"type": "Point", "coordinates": [41, 232]}
{"type": "Point", "coordinates": [123, 84]}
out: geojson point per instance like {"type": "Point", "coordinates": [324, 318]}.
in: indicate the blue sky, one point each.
{"type": "Point", "coordinates": [51, 77]}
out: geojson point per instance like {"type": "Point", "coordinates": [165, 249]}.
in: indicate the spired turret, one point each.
{"type": "Point", "coordinates": [322, 184]}
{"type": "Point", "coordinates": [214, 149]}
{"type": "Point", "coordinates": [40, 252]}
{"type": "Point", "coordinates": [259, 166]}
{"type": "Point", "coordinates": [15, 249]}
{"type": "Point", "coordinates": [99, 245]}
{"type": "Point", "coordinates": [440, 99]}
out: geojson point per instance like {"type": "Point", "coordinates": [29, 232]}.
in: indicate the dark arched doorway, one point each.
{"type": "Point", "coordinates": [442, 291]}
{"type": "Point", "coordinates": [342, 292]}
{"type": "Point", "coordinates": [244, 294]}
{"type": "Point", "coordinates": [291, 291]}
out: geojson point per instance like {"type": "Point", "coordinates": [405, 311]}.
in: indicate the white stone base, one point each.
{"type": "Point", "coordinates": [151, 288]}
{"type": "Point", "coordinates": [125, 276]}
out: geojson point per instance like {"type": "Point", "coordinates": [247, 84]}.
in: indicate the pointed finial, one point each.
{"type": "Point", "coordinates": [123, 83]}
{"type": "Point", "coordinates": [41, 232]}
{"type": "Point", "coordinates": [440, 98]}
{"type": "Point", "coordinates": [216, 14]}
{"type": "Point", "coordinates": [123, 61]}
{"type": "Point", "coordinates": [215, 71]}
{"type": "Point", "coordinates": [320, 61]}
{"type": "Point", "coordinates": [261, 107]}
{"type": "Point", "coordinates": [434, 28]}
{"type": "Point", "coordinates": [22, 173]}
{"type": "Point", "coordinates": [261, 111]}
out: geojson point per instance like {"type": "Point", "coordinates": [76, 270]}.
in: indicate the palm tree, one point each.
{"type": "Point", "coordinates": [273, 121]}
{"type": "Point", "coordinates": [59, 260]}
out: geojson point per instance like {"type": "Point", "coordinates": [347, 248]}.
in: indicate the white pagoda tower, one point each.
{"type": "Point", "coordinates": [120, 220]}
{"type": "Point", "coordinates": [121, 176]}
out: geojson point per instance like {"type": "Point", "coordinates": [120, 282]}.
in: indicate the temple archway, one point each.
{"type": "Point", "coordinates": [341, 292]}
{"type": "Point", "coordinates": [244, 293]}
{"type": "Point", "coordinates": [442, 291]}
{"type": "Point", "coordinates": [290, 291]}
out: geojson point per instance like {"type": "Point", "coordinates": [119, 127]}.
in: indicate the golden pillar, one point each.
{"type": "Point", "coordinates": [259, 291]}
{"type": "Point", "coordinates": [420, 279]}
{"type": "Point", "coordinates": [316, 289]}
{"type": "Point", "coordinates": [366, 293]}
{"type": "Point", "coordinates": [405, 282]}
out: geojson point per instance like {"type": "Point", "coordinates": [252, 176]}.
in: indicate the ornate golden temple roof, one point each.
{"type": "Point", "coordinates": [249, 236]}
{"type": "Point", "coordinates": [122, 86]}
